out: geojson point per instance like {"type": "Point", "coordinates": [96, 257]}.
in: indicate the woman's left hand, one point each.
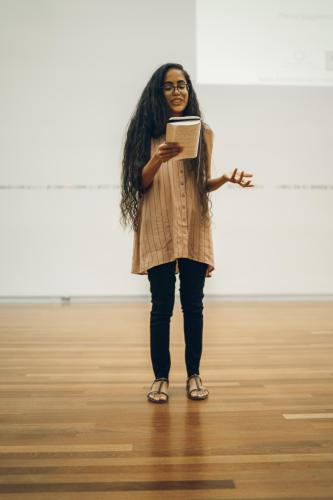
{"type": "Point", "coordinates": [236, 178]}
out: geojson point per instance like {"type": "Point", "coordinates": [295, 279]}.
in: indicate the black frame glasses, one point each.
{"type": "Point", "coordinates": [171, 89]}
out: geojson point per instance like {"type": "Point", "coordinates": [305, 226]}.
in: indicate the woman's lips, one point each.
{"type": "Point", "coordinates": [177, 101]}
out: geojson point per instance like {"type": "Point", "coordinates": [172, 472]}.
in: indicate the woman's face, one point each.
{"type": "Point", "coordinates": [177, 98]}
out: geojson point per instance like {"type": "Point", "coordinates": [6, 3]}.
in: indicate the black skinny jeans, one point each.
{"type": "Point", "coordinates": [162, 280]}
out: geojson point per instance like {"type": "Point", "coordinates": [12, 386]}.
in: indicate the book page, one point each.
{"type": "Point", "coordinates": [187, 134]}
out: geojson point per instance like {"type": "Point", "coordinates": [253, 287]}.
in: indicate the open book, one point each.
{"type": "Point", "coordinates": [186, 131]}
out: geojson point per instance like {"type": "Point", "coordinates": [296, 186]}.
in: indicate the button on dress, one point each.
{"type": "Point", "coordinates": [169, 225]}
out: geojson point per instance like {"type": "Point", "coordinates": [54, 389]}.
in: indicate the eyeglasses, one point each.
{"type": "Point", "coordinates": [182, 87]}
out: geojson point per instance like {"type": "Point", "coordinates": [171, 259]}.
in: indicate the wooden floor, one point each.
{"type": "Point", "coordinates": [75, 422]}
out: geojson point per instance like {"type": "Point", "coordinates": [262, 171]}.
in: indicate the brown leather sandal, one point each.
{"type": "Point", "coordinates": [158, 391]}
{"type": "Point", "coordinates": [199, 387]}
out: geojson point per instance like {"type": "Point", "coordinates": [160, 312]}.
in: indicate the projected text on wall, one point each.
{"type": "Point", "coordinates": [258, 42]}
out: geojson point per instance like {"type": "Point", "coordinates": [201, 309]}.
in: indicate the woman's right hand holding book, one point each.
{"type": "Point", "coordinates": [167, 150]}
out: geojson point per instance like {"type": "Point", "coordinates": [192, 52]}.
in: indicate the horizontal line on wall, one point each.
{"type": "Point", "coordinates": [146, 298]}
{"type": "Point", "coordinates": [59, 186]}
{"type": "Point", "coordinates": [117, 186]}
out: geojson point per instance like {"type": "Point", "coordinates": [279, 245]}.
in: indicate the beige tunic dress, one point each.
{"type": "Point", "coordinates": [169, 223]}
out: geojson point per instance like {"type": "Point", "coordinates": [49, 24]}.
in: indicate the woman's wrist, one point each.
{"type": "Point", "coordinates": [156, 161]}
{"type": "Point", "coordinates": [216, 183]}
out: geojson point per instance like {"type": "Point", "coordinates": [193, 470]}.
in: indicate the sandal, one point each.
{"type": "Point", "coordinates": [200, 387]}
{"type": "Point", "coordinates": [151, 393]}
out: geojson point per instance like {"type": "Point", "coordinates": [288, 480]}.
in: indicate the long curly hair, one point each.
{"type": "Point", "coordinates": [149, 120]}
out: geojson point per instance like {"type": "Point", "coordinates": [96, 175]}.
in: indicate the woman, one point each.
{"type": "Point", "coordinates": [168, 206]}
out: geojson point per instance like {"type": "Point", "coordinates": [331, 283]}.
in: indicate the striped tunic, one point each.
{"type": "Point", "coordinates": [169, 225]}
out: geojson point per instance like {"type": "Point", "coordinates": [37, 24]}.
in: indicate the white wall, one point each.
{"type": "Point", "coordinates": [71, 75]}
{"type": "Point", "coordinates": [277, 237]}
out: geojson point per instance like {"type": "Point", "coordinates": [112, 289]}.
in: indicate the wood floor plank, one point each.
{"type": "Point", "coordinates": [302, 416]}
{"type": "Point", "coordinates": [55, 448]}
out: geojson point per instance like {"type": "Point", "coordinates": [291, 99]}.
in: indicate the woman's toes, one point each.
{"type": "Point", "coordinates": [158, 396]}
{"type": "Point", "coordinates": [201, 393]}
